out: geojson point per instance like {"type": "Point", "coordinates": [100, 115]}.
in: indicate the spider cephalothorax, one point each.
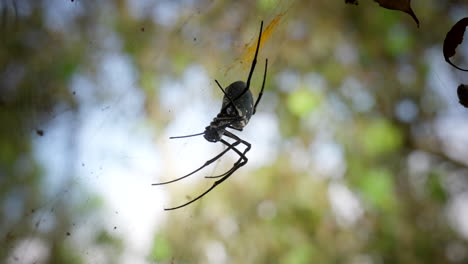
{"type": "Point", "coordinates": [213, 133]}
{"type": "Point", "coordinates": [237, 109]}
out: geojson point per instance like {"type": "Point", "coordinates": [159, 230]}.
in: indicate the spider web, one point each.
{"type": "Point", "coordinates": [80, 150]}
{"type": "Point", "coordinates": [99, 156]}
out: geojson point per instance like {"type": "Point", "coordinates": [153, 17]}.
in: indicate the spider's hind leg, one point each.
{"type": "Point", "coordinates": [241, 162]}
{"type": "Point", "coordinates": [242, 158]}
{"type": "Point", "coordinates": [208, 162]}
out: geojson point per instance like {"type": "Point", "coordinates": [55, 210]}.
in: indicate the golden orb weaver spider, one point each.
{"type": "Point", "coordinates": [237, 109]}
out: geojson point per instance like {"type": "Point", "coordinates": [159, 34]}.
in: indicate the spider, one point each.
{"type": "Point", "coordinates": [236, 110]}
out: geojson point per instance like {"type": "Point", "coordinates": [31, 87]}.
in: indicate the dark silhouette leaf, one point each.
{"type": "Point", "coordinates": [453, 39]}
{"type": "Point", "coordinates": [402, 5]}
{"type": "Point", "coordinates": [462, 92]}
{"type": "Point", "coordinates": [353, 2]}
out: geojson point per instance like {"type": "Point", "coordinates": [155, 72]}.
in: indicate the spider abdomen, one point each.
{"type": "Point", "coordinates": [244, 104]}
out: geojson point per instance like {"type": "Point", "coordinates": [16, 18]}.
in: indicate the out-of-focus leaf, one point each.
{"type": "Point", "coordinates": [462, 92]}
{"type": "Point", "coordinates": [353, 2]}
{"type": "Point", "coordinates": [105, 238]}
{"type": "Point", "coordinates": [92, 203]}
{"type": "Point", "coordinates": [401, 5]}
{"type": "Point", "coordinates": [64, 253]}
{"type": "Point", "coordinates": [180, 62]}
{"type": "Point", "coordinates": [381, 137]}
{"type": "Point", "coordinates": [453, 39]}
{"type": "Point", "coordinates": [302, 101]}
{"type": "Point", "coordinates": [435, 188]}
{"type": "Point", "coordinates": [161, 249]}
{"type": "Point", "coordinates": [377, 188]}
{"type": "Point", "coordinates": [398, 40]}
{"type": "Point", "coordinates": [7, 152]}
{"type": "Point", "coordinates": [299, 255]}
{"type": "Point", "coordinates": [267, 5]}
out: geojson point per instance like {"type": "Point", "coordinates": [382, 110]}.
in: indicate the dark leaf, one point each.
{"type": "Point", "coordinates": [453, 39]}
{"type": "Point", "coordinates": [462, 92]}
{"type": "Point", "coordinates": [353, 2]}
{"type": "Point", "coordinates": [402, 5]}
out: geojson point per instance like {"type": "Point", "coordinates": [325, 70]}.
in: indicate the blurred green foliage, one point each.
{"type": "Point", "coordinates": [376, 187]}
{"type": "Point", "coordinates": [380, 137]}
{"type": "Point", "coordinates": [161, 249]}
{"type": "Point", "coordinates": [302, 101]}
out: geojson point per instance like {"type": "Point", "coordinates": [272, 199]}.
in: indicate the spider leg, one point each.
{"type": "Point", "coordinates": [192, 135]}
{"type": "Point", "coordinates": [254, 62]}
{"type": "Point", "coordinates": [228, 97]}
{"type": "Point", "coordinates": [238, 129]}
{"type": "Point", "coordinates": [263, 86]}
{"type": "Point", "coordinates": [238, 139]}
{"type": "Point", "coordinates": [203, 166]}
{"type": "Point", "coordinates": [231, 170]}
{"type": "Point", "coordinates": [216, 183]}
{"type": "Point", "coordinates": [241, 158]}
{"type": "Point", "coordinates": [252, 68]}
